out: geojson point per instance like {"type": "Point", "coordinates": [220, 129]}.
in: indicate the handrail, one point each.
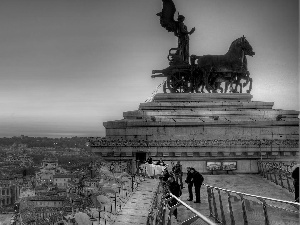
{"type": "Point", "coordinates": [204, 218]}
{"type": "Point", "coordinates": [217, 211]}
{"type": "Point", "coordinates": [255, 196]}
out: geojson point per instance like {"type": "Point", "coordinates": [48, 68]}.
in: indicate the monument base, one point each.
{"type": "Point", "coordinates": [200, 128]}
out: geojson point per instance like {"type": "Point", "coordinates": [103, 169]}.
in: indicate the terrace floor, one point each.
{"type": "Point", "coordinates": [246, 183]}
{"type": "Point", "coordinates": [136, 209]}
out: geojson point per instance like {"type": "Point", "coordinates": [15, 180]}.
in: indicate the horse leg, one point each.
{"type": "Point", "coordinates": [207, 85]}
{"type": "Point", "coordinates": [241, 88]}
{"type": "Point", "coordinates": [226, 87]}
{"type": "Point", "coordinates": [219, 87]}
{"type": "Point", "coordinates": [247, 79]}
{"type": "Point", "coordinates": [237, 82]}
{"type": "Point", "coordinates": [202, 89]}
{"type": "Point", "coordinates": [250, 86]}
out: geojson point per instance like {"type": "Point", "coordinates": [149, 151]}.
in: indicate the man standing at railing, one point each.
{"type": "Point", "coordinates": [188, 180]}
{"type": "Point", "coordinates": [197, 180]}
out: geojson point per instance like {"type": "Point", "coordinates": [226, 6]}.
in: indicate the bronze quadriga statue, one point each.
{"type": "Point", "coordinates": [208, 71]}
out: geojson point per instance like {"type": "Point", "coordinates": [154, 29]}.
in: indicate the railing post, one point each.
{"type": "Point", "coordinates": [164, 214]}
{"type": "Point", "coordinates": [230, 209]}
{"type": "Point", "coordinates": [222, 209]}
{"type": "Point", "coordinates": [280, 177]}
{"type": "Point", "coordinates": [244, 209]}
{"type": "Point", "coordinates": [276, 181]}
{"type": "Point", "coordinates": [115, 202]}
{"type": "Point", "coordinates": [209, 201]}
{"type": "Point", "coordinates": [267, 222]}
{"type": "Point", "coordinates": [272, 173]}
{"type": "Point", "coordinates": [215, 206]}
{"type": "Point", "coordinates": [288, 183]}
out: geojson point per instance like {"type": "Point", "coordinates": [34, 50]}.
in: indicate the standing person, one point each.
{"type": "Point", "coordinates": [160, 162]}
{"type": "Point", "coordinates": [183, 38]}
{"type": "Point", "coordinates": [175, 189]}
{"type": "Point", "coordinates": [177, 170]}
{"type": "Point", "coordinates": [165, 178]}
{"type": "Point", "coordinates": [188, 180]}
{"type": "Point", "coordinates": [166, 175]}
{"type": "Point", "coordinates": [197, 180]}
{"type": "Point", "coordinates": [295, 176]}
{"type": "Point", "coordinates": [149, 160]}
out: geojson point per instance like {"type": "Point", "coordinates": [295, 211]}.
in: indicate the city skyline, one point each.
{"type": "Point", "coordinates": [68, 66]}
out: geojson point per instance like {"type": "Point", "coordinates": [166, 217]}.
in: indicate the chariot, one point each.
{"type": "Point", "coordinates": [211, 73]}
{"type": "Point", "coordinates": [208, 73]}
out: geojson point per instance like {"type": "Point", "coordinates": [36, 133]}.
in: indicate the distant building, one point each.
{"type": "Point", "coordinates": [62, 180]}
{"type": "Point", "coordinates": [47, 201]}
{"type": "Point", "coordinates": [27, 192]}
{"type": "Point", "coordinates": [45, 176]}
{"type": "Point", "coordinates": [49, 163]}
{"type": "Point", "coordinates": [9, 192]}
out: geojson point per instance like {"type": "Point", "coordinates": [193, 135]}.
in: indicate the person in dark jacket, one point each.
{"type": "Point", "coordinates": [197, 180]}
{"type": "Point", "coordinates": [177, 170]}
{"type": "Point", "coordinates": [188, 180]}
{"type": "Point", "coordinates": [149, 160]}
{"type": "Point", "coordinates": [165, 175]}
{"type": "Point", "coordinates": [295, 176]}
{"type": "Point", "coordinates": [175, 189]}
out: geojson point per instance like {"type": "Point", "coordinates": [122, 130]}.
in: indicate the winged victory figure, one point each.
{"type": "Point", "coordinates": [178, 27]}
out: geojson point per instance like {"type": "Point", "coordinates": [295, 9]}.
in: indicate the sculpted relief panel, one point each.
{"type": "Point", "coordinates": [103, 142]}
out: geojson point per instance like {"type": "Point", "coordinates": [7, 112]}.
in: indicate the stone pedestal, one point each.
{"type": "Point", "coordinates": [196, 128]}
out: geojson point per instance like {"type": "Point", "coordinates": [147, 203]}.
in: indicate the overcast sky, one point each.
{"type": "Point", "coordinates": [67, 66]}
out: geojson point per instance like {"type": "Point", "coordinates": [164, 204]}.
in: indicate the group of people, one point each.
{"type": "Point", "coordinates": [159, 162]}
{"type": "Point", "coordinates": [173, 183]}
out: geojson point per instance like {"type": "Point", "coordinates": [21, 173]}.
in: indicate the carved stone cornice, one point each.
{"type": "Point", "coordinates": [103, 142]}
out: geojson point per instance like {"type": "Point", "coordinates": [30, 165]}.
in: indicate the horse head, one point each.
{"type": "Point", "coordinates": [246, 47]}
{"type": "Point", "coordinates": [241, 46]}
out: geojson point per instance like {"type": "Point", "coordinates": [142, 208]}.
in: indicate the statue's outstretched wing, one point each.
{"type": "Point", "coordinates": [167, 16]}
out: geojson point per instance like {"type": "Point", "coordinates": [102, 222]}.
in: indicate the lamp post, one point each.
{"type": "Point", "coordinates": [92, 219]}
{"type": "Point", "coordinates": [99, 210]}
{"type": "Point", "coordinates": [120, 160]}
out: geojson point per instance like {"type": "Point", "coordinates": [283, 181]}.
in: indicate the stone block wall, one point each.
{"type": "Point", "coordinates": [195, 128]}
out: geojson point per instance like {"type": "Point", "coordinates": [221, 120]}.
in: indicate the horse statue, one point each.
{"type": "Point", "coordinates": [212, 70]}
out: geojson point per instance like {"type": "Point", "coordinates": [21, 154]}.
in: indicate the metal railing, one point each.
{"type": "Point", "coordinates": [232, 207]}
{"type": "Point", "coordinates": [162, 210]}
{"type": "Point", "coordinates": [107, 213]}
{"type": "Point", "coordinates": [278, 172]}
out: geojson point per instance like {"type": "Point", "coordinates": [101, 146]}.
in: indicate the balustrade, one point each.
{"type": "Point", "coordinates": [232, 207]}
{"type": "Point", "coordinates": [278, 172]}
{"type": "Point", "coordinates": [225, 207]}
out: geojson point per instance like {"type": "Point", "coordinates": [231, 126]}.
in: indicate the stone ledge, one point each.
{"type": "Point", "coordinates": [202, 97]}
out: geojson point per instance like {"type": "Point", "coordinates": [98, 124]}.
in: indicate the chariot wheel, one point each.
{"type": "Point", "coordinates": [179, 82]}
